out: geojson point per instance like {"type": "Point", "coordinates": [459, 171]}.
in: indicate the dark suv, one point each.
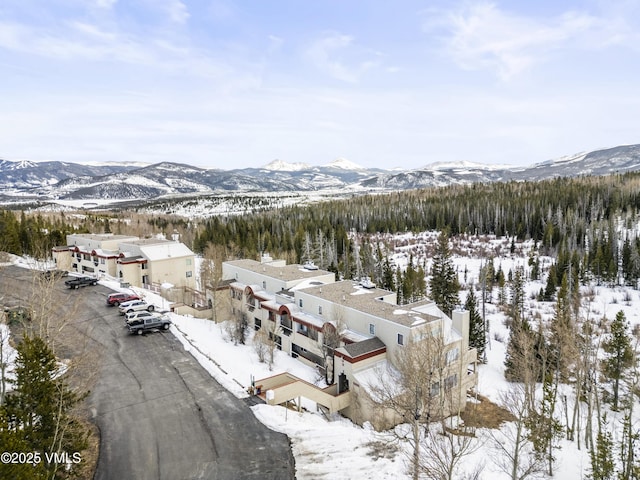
{"type": "Point", "coordinates": [115, 299]}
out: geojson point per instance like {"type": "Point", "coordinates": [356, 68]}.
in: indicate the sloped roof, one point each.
{"type": "Point", "coordinates": [165, 249]}
{"type": "Point", "coordinates": [362, 348]}
{"type": "Point", "coordinates": [286, 273]}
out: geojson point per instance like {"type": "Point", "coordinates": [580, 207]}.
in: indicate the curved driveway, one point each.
{"type": "Point", "coordinates": [160, 414]}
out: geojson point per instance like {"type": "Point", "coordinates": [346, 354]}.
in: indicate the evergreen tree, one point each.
{"type": "Point", "coordinates": [534, 263]}
{"type": "Point", "coordinates": [408, 282]}
{"type": "Point", "coordinates": [563, 334]}
{"type": "Point", "coordinates": [502, 287]}
{"type": "Point", "coordinates": [544, 429]}
{"type": "Point", "coordinates": [37, 411]}
{"type": "Point", "coordinates": [526, 353]}
{"type": "Point", "coordinates": [517, 295]}
{"type": "Point", "coordinates": [550, 288]}
{"type": "Point", "coordinates": [387, 276]}
{"type": "Point", "coordinates": [477, 337]}
{"type": "Point", "coordinates": [602, 464]}
{"type": "Point", "coordinates": [444, 282]}
{"type": "Point", "coordinates": [619, 354]}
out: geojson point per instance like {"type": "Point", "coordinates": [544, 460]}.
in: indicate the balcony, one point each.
{"type": "Point", "coordinates": [286, 325]}
{"type": "Point", "coordinates": [307, 332]}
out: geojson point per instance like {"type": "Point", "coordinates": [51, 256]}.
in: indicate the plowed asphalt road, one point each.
{"type": "Point", "coordinates": [160, 414]}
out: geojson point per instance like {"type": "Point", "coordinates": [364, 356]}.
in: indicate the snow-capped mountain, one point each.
{"type": "Point", "coordinates": [344, 164]}
{"type": "Point", "coordinates": [25, 175]}
{"type": "Point", "coordinates": [625, 158]}
{"type": "Point", "coordinates": [282, 166]}
{"type": "Point", "coordinates": [620, 159]}
{"type": "Point", "coordinates": [60, 180]}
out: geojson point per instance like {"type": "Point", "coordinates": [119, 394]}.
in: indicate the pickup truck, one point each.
{"type": "Point", "coordinates": [77, 282]}
{"type": "Point", "coordinates": [139, 326]}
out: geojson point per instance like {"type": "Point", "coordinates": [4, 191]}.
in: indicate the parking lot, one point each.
{"type": "Point", "coordinates": [160, 414]}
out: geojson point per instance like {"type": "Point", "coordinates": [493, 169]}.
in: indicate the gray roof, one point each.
{"type": "Point", "coordinates": [370, 300]}
{"type": "Point", "coordinates": [366, 346]}
{"type": "Point", "coordinates": [103, 236]}
{"type": "Point", "coordinates": [286, 273]}
{"type": "Point", "coordinates": [134, 258]}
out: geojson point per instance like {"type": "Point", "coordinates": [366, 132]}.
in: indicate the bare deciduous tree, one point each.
{"type": "Point", "coordinates": [515, 454]}
{"type": "Point", "coordinates": [444, 450]}
{"type": "Point", "coordinates": [332, 339]}
{"type": "Point", "coordinates": [211, 279]}
{"type": "Point", "coordinates": [236, 327]}
{"type": "Point", "coordinates": [4, 355]}
{"type": "Point", "coordinates": [416, 390]}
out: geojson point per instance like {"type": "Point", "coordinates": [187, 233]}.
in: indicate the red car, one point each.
{"type": "Point", "coordinates": [115, 299]}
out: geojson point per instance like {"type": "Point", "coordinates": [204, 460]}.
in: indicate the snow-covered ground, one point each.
{"type": "Point", "coordinates": [340, 449]}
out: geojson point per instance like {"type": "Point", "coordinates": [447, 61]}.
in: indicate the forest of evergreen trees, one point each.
{"type": "Point", "coordinates": [589, 224]}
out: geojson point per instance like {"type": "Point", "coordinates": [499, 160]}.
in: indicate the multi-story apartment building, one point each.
{"type": "Point", "coordinates": [305, 310]}
{"type": "Point", "coordinates": [135, 261]}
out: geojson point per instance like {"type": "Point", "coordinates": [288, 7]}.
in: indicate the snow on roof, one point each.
{"type": "Point", "coordinates": [102, 236]}
{"type": "Point", "coordinates": [310, 319]}
{"type": "Point", "coordinates": [353, 336]}
{"type": "Point", "coordinates": [286, 273]}
{"type": "Point", "coordinates": [377, 302]}
{"type": "Point", "coordinates": [380, 373]}
{"type": "Point", "coordinates": [311, 282]}
{"type": "Point", "coordinates": [270, 304]}
{"type": "Point", "coordinates": [163, 249]}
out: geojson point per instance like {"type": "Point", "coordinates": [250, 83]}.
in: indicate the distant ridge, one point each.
{"type": "Point", "coordinates": [23, 181]}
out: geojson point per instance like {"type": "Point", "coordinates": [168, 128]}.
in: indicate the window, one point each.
{"type": "Point", "coordinates": [451, 381]}
{"type": "Point", "coordinates": [372, 329]}
{"type": "Point", "coordinates": [320, 310]}
{"type": "Point", "coordinates": [188, 262]}
{"type": "Point", "coordinates": [400, 339]}
{"type": "Point", "coordinates": [435, 389]}
{"type": "Point", "coordinates": [452, 355]}
{"type": "Point", "coordinates": [300, 303]}
{"type": "Point", "coordinates": [102, 261]}
{"type": "Point", "coordinates": [257, 323]}
{"type": "Point", "coordinates": [189, 274]}
{"type": "Point", "coordinates": [264, 284]}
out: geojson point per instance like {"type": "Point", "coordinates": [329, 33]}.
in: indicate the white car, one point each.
{"type": "Point", "coordinates": [139, 315]}
{"type": "Point", "coordinates": [136, 306]}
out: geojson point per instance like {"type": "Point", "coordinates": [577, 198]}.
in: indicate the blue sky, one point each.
{"type": "Point", "coordinates": [227, 84]}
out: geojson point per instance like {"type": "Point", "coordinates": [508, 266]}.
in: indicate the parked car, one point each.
{"type": "Point", "coordinates": [116, 299]}
{"type": "Point", "coordinates": [77, 282]}
{"type": "Point", "coordinates": [140, 314]}
{"type": "Point", "coordinates": [141, 325]}
{"type": "Point", "coordinates": [136, 305]}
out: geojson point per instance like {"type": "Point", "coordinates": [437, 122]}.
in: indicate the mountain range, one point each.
{"type": "Point", "coordinates": [45, 181]}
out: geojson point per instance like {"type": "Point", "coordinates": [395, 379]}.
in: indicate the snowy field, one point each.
{"type": "Point", "coordinates": [340, 449]}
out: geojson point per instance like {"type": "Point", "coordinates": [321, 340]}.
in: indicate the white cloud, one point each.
{"type": "Point", "coordinates": [106, 4]}
{"type": "Point", "coordinates": [275, 43]}
{"type": "Point", "coordinates": [178, 11]}
{"type": "Point", "coordinates": [482, 36]}
{"type": "Point", "coordinates": [333, 54]}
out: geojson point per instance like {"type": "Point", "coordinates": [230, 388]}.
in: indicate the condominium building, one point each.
{"type": "Point", "coordinates": [136, 261]}
{"type": "Point", "coordinates": [351, 331]}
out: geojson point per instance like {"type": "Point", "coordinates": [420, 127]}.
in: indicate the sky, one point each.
{"type": "Point", "coordinates": [231, 84]}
